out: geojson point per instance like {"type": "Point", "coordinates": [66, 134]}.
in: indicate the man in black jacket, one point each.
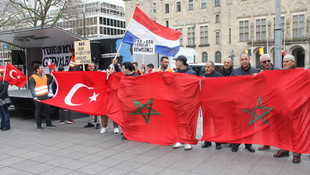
{"type": "Point", "coordinates": [210, 72]}
{"type": "Point", "coordinates": [228, 67]}
{"type": "Point", "coordinates": [244, 69]}
{"type": "Point", "coordinates": [266, 64]}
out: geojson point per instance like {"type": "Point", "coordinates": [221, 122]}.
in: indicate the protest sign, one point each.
{"type": "Point", "coordinates": [146, 47]}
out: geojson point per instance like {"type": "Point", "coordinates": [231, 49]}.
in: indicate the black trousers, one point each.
{"type": "Point", "coordinates": [42, 108]}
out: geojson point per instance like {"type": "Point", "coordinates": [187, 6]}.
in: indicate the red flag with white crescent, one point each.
{"type": "Point", "coordinates": [14, 76]}
{"type": "Point", "coordinates": [83, 92]}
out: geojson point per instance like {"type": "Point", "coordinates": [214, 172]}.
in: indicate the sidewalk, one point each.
{"type": "Point", "coordinates": [72, 149]}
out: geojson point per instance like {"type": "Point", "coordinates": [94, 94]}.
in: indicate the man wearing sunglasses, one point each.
{"type": "Point", "coordinates": [266, 64]}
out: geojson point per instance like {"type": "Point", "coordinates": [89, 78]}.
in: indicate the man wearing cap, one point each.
{"type": "Point", "coordinates": [182, 66]}
{"type": "Point", "coordinates": [244, 69]}
{"type": "Point", "coordinates": [164, 63]}
{"type": "Point", "coordinates": [288, 63]}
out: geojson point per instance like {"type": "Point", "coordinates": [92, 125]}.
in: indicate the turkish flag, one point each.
{"type": "Point", "coordinates": [271, 108]}
{"type": "Point", "coordinates": [84, 92]}
{"type": "Point", "coordinates": [14, 76]}
{"type": "Point", "coordinates": [155, 108]}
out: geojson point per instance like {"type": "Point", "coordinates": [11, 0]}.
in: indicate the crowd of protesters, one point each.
{"type": "Point", "coordinates": [40, 83]}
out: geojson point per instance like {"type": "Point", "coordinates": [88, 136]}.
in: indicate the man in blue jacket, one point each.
{"type": "Point", "coordinates": [182, 66]}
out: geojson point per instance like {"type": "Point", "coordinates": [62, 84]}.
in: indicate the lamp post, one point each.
{"type": "Point", "coordinates": [232, 56]}
{"type": "Point", "coordinates": [84, 28]}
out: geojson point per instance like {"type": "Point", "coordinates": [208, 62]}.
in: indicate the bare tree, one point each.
{"type": "Point", "coordinates": [5, 15]}
{"type": "Point", "coordinates": [33, 13]}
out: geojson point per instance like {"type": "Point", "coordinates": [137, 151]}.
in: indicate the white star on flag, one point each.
{"type": "Point", "coordinates": [93, 98]}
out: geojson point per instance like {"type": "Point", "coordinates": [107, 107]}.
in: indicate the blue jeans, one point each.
{"type": "Point", "coordinates": [42, 108]}
{"type": "Point", "coordinates": [5, 117]}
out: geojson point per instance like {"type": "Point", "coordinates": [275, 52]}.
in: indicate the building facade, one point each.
{"type": "Point", "coordinates": [218, 29]}
{"type": "Point", "coordinates": [101, 17]}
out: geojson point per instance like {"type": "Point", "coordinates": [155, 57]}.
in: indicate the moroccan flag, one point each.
{"type": "Point", "coordinates": [14, 76]}
{"type": "Point", "coordinates": [271, 108]}
{"type": "Point", "coordinates": [155, 108]}
{"type": "Point", "coordinates": [84, 92]}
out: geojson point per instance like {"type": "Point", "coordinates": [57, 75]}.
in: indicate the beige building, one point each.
{"type": "Point", "coordinates": [217, 29]}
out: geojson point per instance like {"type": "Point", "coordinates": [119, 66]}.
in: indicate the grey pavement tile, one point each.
{"type": "Point", "coordinates": [74, 165]}
{"type": "Point", "coordinates": [61, 152]}
{"type": "Point", "coordinates": [261, 169]}
{"type": "Point", "coordinates": [92, 158]}
{"type": "Point", "coordinates": [239, 167]}
{"type": "Point", "coordinates": [77, 173]}
{"type": "Point", "coordinates": [31, 166]}
{"type": "Point", "coordinates": [29, 155]}
{"type": "Point", "coordinates": [114, 171]}
{"type": "Point", "coordinates": [7, 170]}
{"type": "Point", "coordinates": [176, 155]}
{"type": "Point", "coordinates": [142, 159]}
{"type": "Point", "coordinates": [107, 153]}
{"type": "Point", "coordinates": [212, 166]}
{"type": "Point", "coordinates": [171, 172]}
{"type": "Point", "coordinates": [92, 169]}
{"type": "Point", "coordinates": [20, 172]}
{"type": "Point", "coordinates": [183, 166]}
{"type": "Point", "coordinates": [58, 161]}
{"type": "Point", "coordinates": [149, 169]}
{"type": "Point", "coordinates": [300, 169]}
{"type": "Point", "coordinates": [76, 155]}
{"type": "Point", "coordinates": [129, 166]}
{"type": "Point", "coordinates": [64, 145]}
{"type": "Point", "coordinates": [162, 162]}
{"type": "Point", "coordinates": [4, 156]}
{"type": "Point", "coordinates": [43, 158]}
{"type": "Point", "coordinates": [17, 151]}
{"type": "Point", "coordinates": [226, 155]}
{"type": "Point", "coordinates": [110, 162]}
{"type": "Point", "coordinates": [154, 153]}
{"type": "Point", "coordinates": [10, 161]}
{"type": "Point", "coordinates": [57, 170]}
{"type": "Point", "coordinates": [226, 171]}
{"type": "Point", "coordinates": [124, 156]}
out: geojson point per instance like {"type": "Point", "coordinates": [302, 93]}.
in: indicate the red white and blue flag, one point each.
{"type": "Point", "coordinates": [167, 41]}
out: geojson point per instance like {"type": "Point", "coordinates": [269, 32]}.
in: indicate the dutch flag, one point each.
{"type": "Point", "coordinates": [167, 41]}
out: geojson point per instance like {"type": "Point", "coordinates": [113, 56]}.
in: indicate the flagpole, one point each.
{"type": "Point", "coordinates": [5, 71]}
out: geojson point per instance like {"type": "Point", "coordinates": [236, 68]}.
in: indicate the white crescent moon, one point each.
{"type": "Point", "coordinates": [11, 73]}
{"type": "Point", "coordinates": [72, 92]}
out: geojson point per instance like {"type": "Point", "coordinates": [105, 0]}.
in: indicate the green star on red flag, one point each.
{"type": "Point", "coordinates": [263, 117]}
{"type": "Point", "coordinates": [147, 106]}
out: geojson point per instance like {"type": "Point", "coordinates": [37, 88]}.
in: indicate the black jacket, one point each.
{"type": "Point", "coordinates": [213, 74]}
{"type": "Point", "coordinates": [225, 72]}
{"type": "Point", "coordinates": [4, 85]}
{"type": "Point", "coordinates": [241, 71]}
{"type": "Point", "coordinates": [187, 70]}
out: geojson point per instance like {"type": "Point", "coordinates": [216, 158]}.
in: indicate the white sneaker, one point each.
{"type": "Point", "coordinates": [187, 147]}
{"type": "Point", "coordinates": [103, 130]}
{"type": "Point", "coordinates": [116, 130]}
{"type": "Point", "coordinates": [177, 145]}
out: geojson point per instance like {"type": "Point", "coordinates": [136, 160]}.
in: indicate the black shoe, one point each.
{"type": "Point", "coordinates": [97, 126]}
{"type": "Point", "coordinates": [89, 125]}
{"type": "Point", "coordinates": [39, 127]}
{"type": "Point", "coordinates": [218, 146]}
{"type": "Point", "coordinates": [124, 138]}
{"type": "Point", "coordinates": [5, 129]}
{"type": "Point", "coordinates": [206, 144]}
{"type": "Point", "coordinates": [234, 149]}
{"type": "Point", "coordinates": [250, 148]}
{"type": "Point", "coordinates": [50, 126]}
{"type": "Point", "coordinates": [230, 145]}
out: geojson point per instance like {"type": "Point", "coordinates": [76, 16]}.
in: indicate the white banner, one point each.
{"type": "Point", "coordinates": [146, 47]}
{"type": "Point", "coordinates": [59, 55]}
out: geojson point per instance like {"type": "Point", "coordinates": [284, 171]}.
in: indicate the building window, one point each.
{"type": "Point", "coordinates": [217, 18]}
{"type": "Point", "coordinates": [217, 3]}
{"type": "Point", "coordinates": [243, 30]}
{"type": "Point", "coordinates": [154, 7]}
{"type": "Point", "coordinates": [166, 8]}
{"type": "Point", "coordinates": [218, 57]}
{"type": "Point", "coordinates": [203, 4]}
{"type": "Point", "coordinates": [181, 38]}
{"type": "Point", "coordinates": [167, 24]}
{"type": "Point", "coordinates": [190, 4]}
{"type": "Point", "coordinates": [204, 57]}
{"type": "Point", "coordinates": [282, 26]}
{"type": "Point", "coordinates": [298, 26]}
{"type": "Point", "coordinates": [178, 6]}
{"type": "Point", "coordinates": [191, 36]}
{"type": "Point", "coordinates": [217, 38]}
{"type": "Point", "coordinates": [203, 35]}
{"type": "Point", "coordinates": [260, 29]}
